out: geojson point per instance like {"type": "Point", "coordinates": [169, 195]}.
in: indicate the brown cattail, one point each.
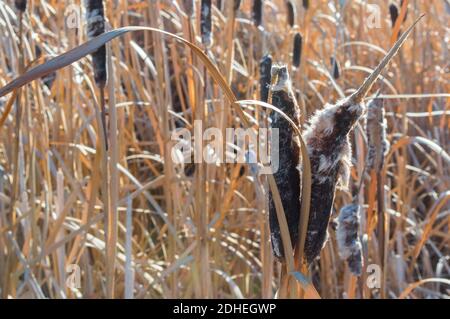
{"type": "Point", "coordinates": [306, 4]}
{"type": "Point", "coordinates": [291, 13]}
{"type": "Point", "coordinates": [257, 12]}
{"type": "Point", "coordinates": [287, 177]}
{"type": "Point", "coordinates": [393, 11]}
{"type": "Point", "coordinates": [188, 6]}
{"type": "Point", "coordinates": [335, 67]}
{"type": "Point", "coordinates": [265, 67]}
{"type": "Point", "coordinates": [206, 23]}
{"type": "Point", "coordinates": [237, 4]}
{"type": "Point", "coordinates": [95, 16]}
{"type": "Point", "coordinates": [376, 125]}
{"type": "Point", "coordinates": [21, 5]}
{"type": "Point", "coordinates": [329, 149]}
{"type": "Point", "coordinates": [349, 244]}
{"type": "Point", "coordinates": [297, 52]}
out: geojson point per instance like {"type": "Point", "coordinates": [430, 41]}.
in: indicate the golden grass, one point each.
{"type": "Point", "coordinates": [175, 234]}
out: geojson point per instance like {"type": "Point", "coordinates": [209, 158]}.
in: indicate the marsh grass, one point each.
{"type": "Point", "coordinates": [206, 234]}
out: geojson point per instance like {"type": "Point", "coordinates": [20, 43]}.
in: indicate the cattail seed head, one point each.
{"type": "Point", "coordinates": [297, 52]}
{"type": "Point", "coordinates": [257, 12]}
{"type": "Point", "coordinates": [393, 11]}
{"type": "Point", "coordinates": [265, 67]}
{"type": "Point", "coordinates": [21, 5]}
{"type": "Point", "coordinates": [376, 126]}
{"type": "Point", "coordinates": [349, 244]}
{"type": "Point", "coordinates": [206, 22]}
{"type": "Point", "coordinates": [306, 4]}
{"type": "Point", "coordinates": [95, 16]}
{"type": "Point", "coordinates": [335, 67]}
{"type": "Point", "coordinates": [291, 13]}
{"type": "Point", "coordinates": [287, 177]}
{"type": "Point", "coordinates": [237, 4]}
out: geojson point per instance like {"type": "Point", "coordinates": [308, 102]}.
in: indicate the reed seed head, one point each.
{"type": "Point", "coordinates": [349, 244]}
{"type": "Point", "coordinates": [95, 17]}
{"type": "Point", "coordinates": [257, 12]}
{"type": "Point", "coordinates": [297, 52]}
{"type": "Point", "coordinates": [206, 22]}
{"type": "Point", "coordinates": [21, 5]}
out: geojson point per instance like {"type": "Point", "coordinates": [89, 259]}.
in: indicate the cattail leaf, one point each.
{"type": "Point", "coordinates": [81, 51]}
{"type": "Point", "coordinates": [297, 52]}
{"type": "Point", "coordinates": [393, 11]}
{"type": "Point", "coordinates": [206, 22]}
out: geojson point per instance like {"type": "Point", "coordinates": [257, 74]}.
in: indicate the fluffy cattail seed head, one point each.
{"type": "Point", "coordinates": [206, 22]}
{"type": "Point", "coordinates": [257, 12]}
{"type": "Point", "coordinates": [21, 5]}
{"type": "Point", "coordinates": [349, 244]}
{"type": "Point", "coordinates": [376, 125]}
{"type": "Point", "coordinates": [95, 16]}
{"type": "Point", "coordinates": [287, 177]}
{"type": "Point", "coordinates": [297, 52]}
{"type": "Point", "coordinates": [329, 150]}
{"type": "Point", "coordinates": [265, 67]}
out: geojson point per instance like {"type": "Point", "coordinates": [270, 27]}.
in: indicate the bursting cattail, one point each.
{"type": "Point", "coordinates": [329, 149]}
{"type": "Point", "coordinates": [287, 177]}
{"type": "Point", "coordinates": [21, 5]}
{"type": "Point", "coordinates": [257, 12]}
{"type": "Point", "coordinates": [376, 125]}
{"type": "Point", "coordinates": [206, 22]}
{"type": "Point", "coordinates": [335, 67]}
{"type": "Point", "coordinates": [95, 16]}
{"type": "Point", "coordinates": [306, 4]}
{"type": "Point", "coordinates": [393, 12]}
{"type": "Point", "coordinates": [349, 244]}
{"type": "Point", "coordinates": [265, 67]}
{"type": "Point", "coordinates": [297, 52]}
{"type": "Point", "coordinates": [291, 13]}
